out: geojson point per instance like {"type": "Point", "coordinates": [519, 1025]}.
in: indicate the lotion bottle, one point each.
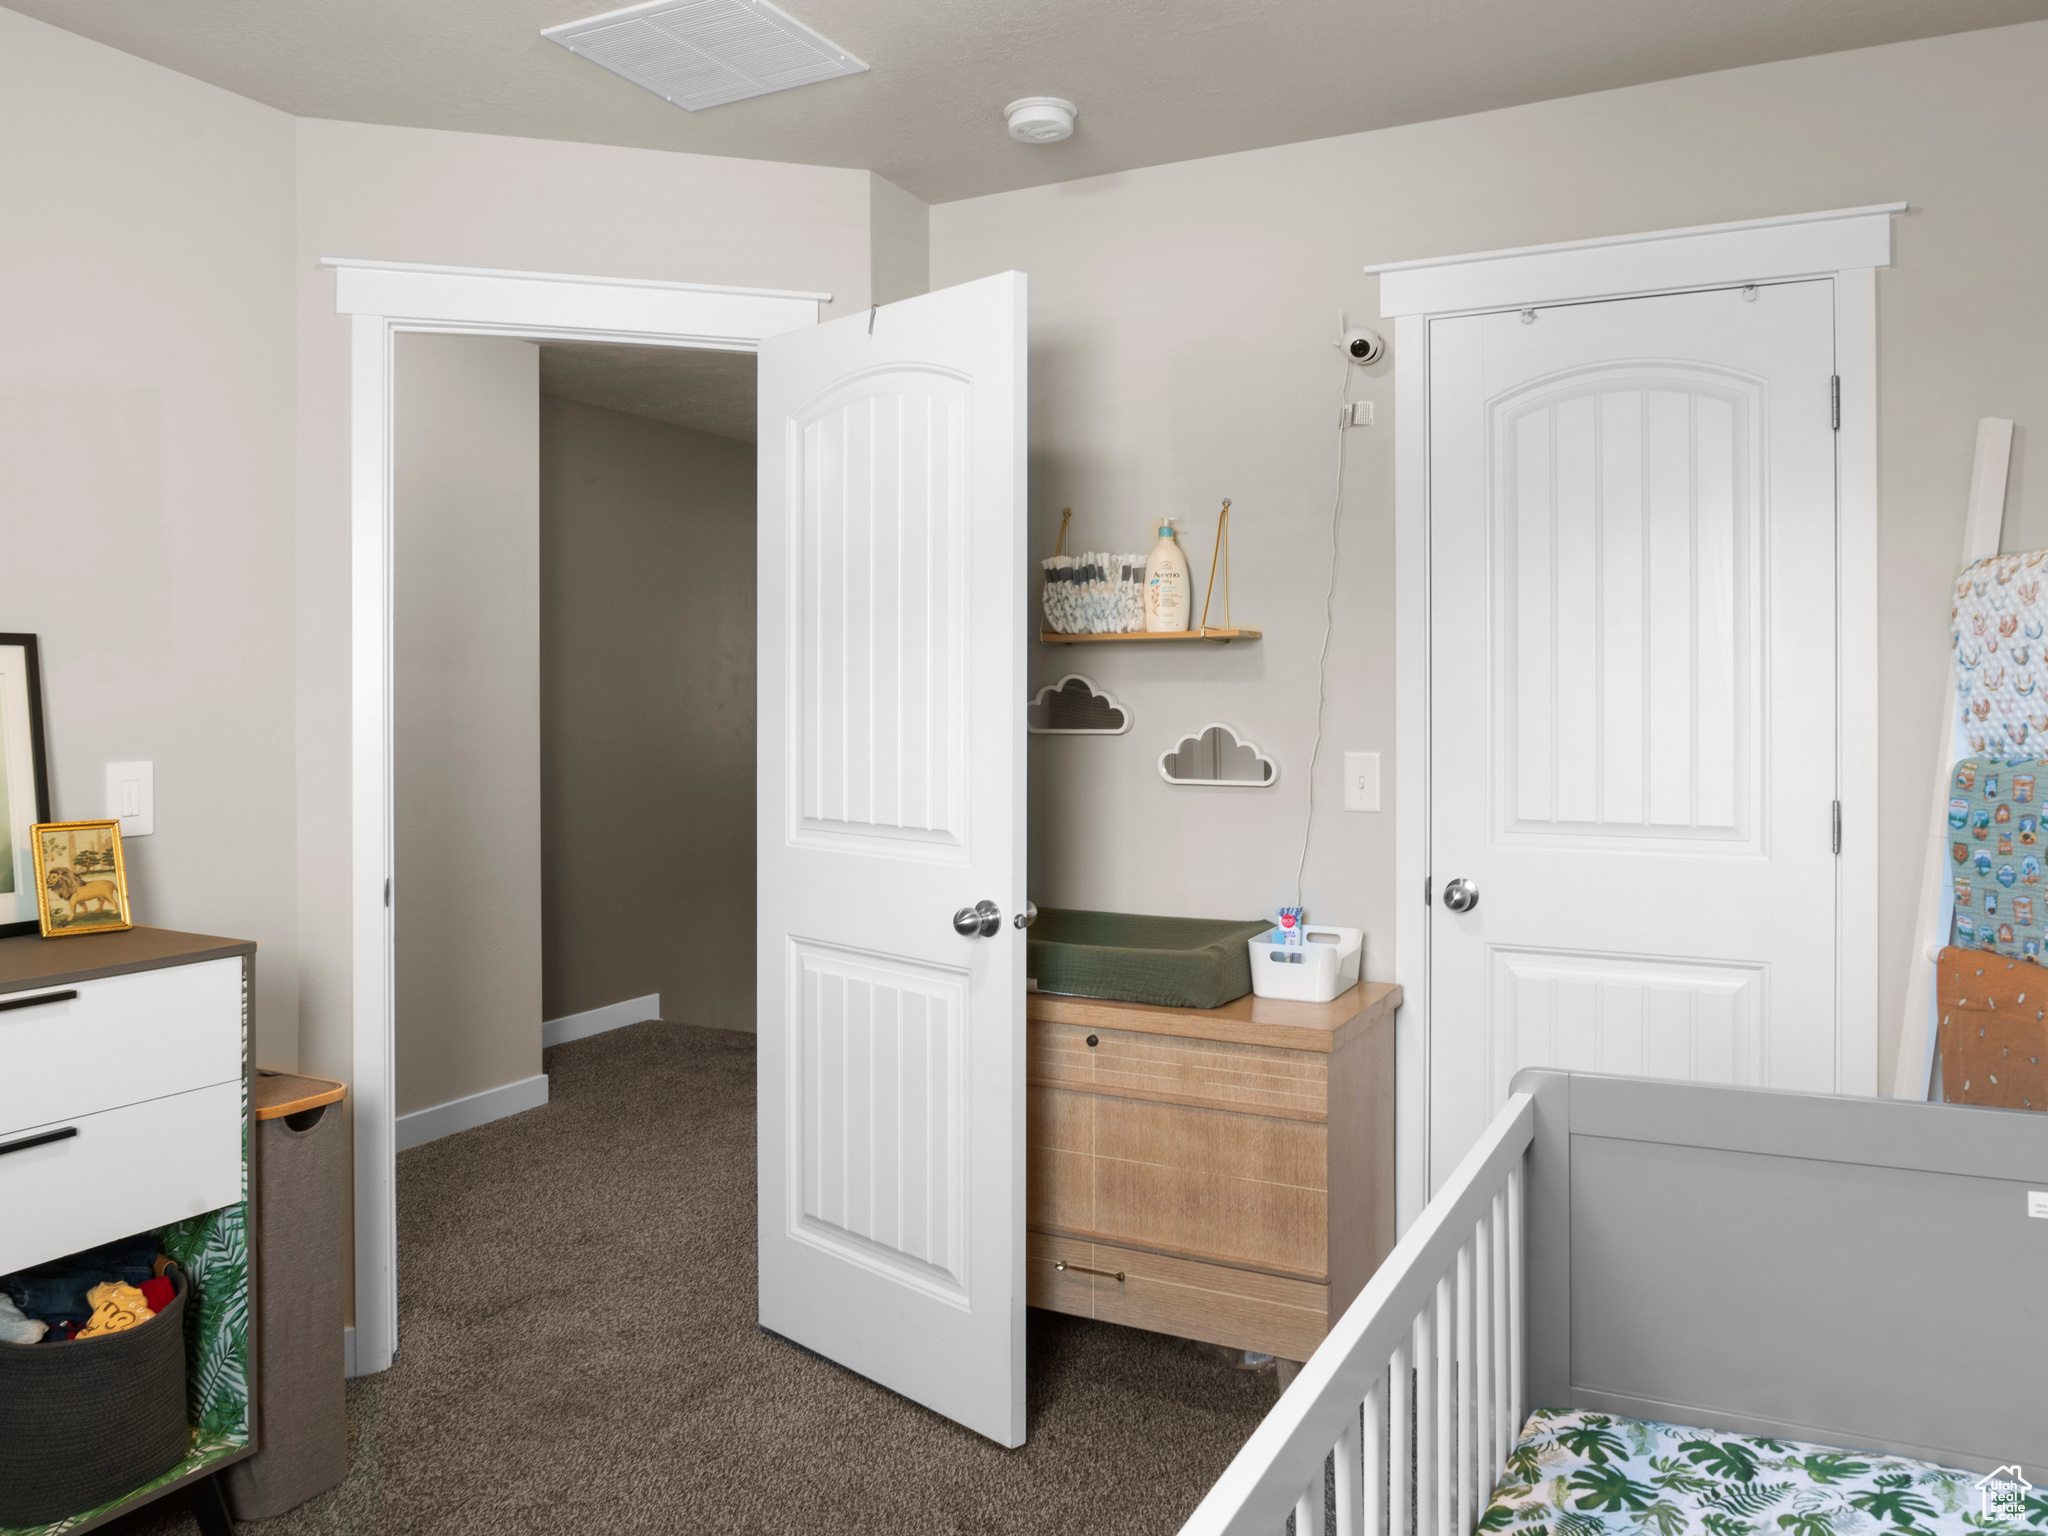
{"type": "Point", "coordinates": [1166, 585]}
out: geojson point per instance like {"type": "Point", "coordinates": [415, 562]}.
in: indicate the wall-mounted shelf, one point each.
{"type": "Point", "coordinates": [1220, 636]}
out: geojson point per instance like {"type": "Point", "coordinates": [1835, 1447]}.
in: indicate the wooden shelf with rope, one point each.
{"type": "Point", "coordinates": [1200, 633]}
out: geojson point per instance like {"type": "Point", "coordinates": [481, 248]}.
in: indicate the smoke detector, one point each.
{"type": "Point", "coordinates": [705, 53]}
{"type": "Point", "coordinates": [1041, 119]}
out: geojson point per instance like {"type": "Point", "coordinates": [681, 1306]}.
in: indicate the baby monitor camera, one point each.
{"type": "Point", "coordinates": [1363, 346]}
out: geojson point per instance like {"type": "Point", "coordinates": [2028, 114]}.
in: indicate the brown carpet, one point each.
{"type": "Point", "coordinates": [579, 1353]}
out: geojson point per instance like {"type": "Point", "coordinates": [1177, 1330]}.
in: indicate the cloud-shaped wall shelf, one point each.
{"type": "Point", "coordinates": [1074, 706]}
{"type": "Point", "coordinates": [1217, 755]}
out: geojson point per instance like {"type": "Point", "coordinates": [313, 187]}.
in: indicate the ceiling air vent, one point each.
{"type": "Point", "coordinates": [705, 53]}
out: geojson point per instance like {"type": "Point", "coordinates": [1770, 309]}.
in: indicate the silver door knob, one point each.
{"type": "Point", "coordinates": [1461, 895]}
{"type": "Point", "coordinates": [983, 920]}
{"type": "Point", "coordinates": [1028, 916]}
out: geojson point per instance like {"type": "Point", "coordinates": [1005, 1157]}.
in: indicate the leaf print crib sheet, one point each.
{"type": "Point", "coordinates": [1595, 1474]}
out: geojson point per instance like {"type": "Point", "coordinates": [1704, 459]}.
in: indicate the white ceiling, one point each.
{"type": "Point", "coordinates": [685, 387]}
{"type": "Point", "coordinates": [1156, 80]}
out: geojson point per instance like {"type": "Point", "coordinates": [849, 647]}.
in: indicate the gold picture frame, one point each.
{"type": "Point", "coordinates": [79, 866]}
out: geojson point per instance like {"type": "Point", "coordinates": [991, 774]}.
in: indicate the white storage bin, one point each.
{"type": "Point", "coordinates": [1315, 972]}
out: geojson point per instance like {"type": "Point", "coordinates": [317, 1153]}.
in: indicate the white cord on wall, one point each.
{"type": "Point", "coordinates": [1329, 608]}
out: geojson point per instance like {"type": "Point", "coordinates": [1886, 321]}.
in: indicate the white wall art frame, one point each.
{"type": "Point", "coordinates": [1843, 245]}
{"type": "Point", "coordinates": [383, 298]}
{"type": "Point", "coordinates": [1039, 699]}
{"type": "Point", "coordinates": [1188, 738]}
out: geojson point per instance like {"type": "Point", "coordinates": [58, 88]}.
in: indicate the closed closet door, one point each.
{"type": "Point", "coordinates": [1633, 696]}
{"type": "Point", "coordinates": [890, 780]}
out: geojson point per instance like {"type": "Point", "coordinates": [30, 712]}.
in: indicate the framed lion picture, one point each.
{"type": "Point", "coordinates": [81, 883]}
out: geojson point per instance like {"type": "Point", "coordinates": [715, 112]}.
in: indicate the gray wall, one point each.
{"type": "Point", "coordinates": [1182, 317]}
{"type": "Point", "coordinates": [466, 902]}
{"type": "Point", "coordinates": [647, 716]}
{"type": "Point", "coordinates": [145, 501]}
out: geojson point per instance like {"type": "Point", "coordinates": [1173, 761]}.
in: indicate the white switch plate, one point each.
{"type": "Point", "coordinates": [131, 797]}
{"type": "Point", "coordinates": [1361, 781]}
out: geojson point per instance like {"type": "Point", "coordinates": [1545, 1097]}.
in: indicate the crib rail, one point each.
{"type": "Point", "coordinates": [1424, 1370]}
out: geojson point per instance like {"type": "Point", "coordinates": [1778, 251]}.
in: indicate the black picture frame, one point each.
{"type": "Point", "coordinates": [33, 669]}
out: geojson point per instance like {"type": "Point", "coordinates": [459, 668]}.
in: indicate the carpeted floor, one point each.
{"type": "Point", "coordinates": [579, 1353]}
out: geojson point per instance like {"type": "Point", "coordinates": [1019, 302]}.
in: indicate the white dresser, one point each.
{"type": "Point", "coordinates": [123, 1065]}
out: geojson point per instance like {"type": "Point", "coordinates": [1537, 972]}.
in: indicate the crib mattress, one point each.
{"type": "Point", "coordinates": [1592, 1474]}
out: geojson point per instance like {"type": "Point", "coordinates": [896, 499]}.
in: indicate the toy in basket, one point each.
{"type": "Point", "coordinates": [1322, 966]}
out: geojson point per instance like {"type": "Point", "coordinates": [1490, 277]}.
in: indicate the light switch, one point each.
{"type": "Point", "coordinates": [1361, 781]}
{"type": "Point", "coordinates": [131, 797]}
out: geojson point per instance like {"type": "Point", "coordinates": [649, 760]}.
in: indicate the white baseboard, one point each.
{"type": "Point", "coordinates": [581, 1026]}
{"type": "Point", "coordinates": [465, 1114]}
{"type": "Point", "coordinates": [348, 1354]}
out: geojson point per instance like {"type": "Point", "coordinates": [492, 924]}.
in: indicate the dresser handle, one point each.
{"type": "Point", "coordinates": [66, 1134]}
{"type": "Point", "coordinates": [1062, 1265]}
{"type": "Point", "coordinates": [35, 1002]}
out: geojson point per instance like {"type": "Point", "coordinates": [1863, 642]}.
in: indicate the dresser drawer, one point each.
{"type": "Point", "coordinates": [1171, 1069]}
{"type": "Point", "coordinates": [1207, 1183]}
{"type": "Point", "coordinates": [122, 1039]}
{"type": "Point", "coordinates": [1237, 1308]}
{"type": "Point", "coordinates": [125, 1171]}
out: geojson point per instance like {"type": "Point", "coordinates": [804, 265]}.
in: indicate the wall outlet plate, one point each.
{"type": "Point", "coordinates": [1361, 781]}
{"type": "Point", "coordinates": [131, 797]}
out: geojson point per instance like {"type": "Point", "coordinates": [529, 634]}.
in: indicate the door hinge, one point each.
{"type": "Point", "coordinates": [1838, 826]}
{"type": "Point", "coordinates": [387, 890]}
{"type": "Point", "coordinates": [1835, 402]}
{"type": "Point", "coordinates": [1425, 890]}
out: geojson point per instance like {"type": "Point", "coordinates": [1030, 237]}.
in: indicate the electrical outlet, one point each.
{"type": "Point", "coordinates": [1361, 781]}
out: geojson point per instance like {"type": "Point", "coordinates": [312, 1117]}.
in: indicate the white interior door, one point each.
{"type": "Point", "coordinates": [891, 795]}
{"type": "Point", "coordinates": [1632, 695]}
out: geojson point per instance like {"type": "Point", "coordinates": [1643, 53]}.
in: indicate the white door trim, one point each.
{"type": "Point", "coordinates": [1845, 245]}
{"type": "Point", "coordinates": [383, 298]}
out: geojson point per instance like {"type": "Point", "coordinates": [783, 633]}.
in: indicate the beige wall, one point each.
{"type": "Point", "coordinates": [647, 716]}
{"type": "Point", "coordinates": [1180, 353]}
{"type": "Point", "coordinates": [146, 472]}
{"type": "Point", "coordinates": [899, 242]}
{"type": "Point", "coordinates": [466, 715]}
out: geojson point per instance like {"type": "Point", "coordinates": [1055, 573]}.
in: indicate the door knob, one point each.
{"type": "Point", "coordinates": [1461, 895]}
{"type": "Point", "coordinates": [984, 919]}
{"type": "Point", "coordinates": [1028, 916]}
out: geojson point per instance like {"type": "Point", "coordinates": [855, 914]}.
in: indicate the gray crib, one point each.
{"type": "Point", "coordinates": [1864, 1273]}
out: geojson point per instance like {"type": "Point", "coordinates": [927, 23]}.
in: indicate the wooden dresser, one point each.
{"type": "Point", "coordinates": [1222, 1174]}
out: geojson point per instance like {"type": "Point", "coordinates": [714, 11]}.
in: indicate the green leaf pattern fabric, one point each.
{"type": "Point", "coordinates": [1575, 1473]}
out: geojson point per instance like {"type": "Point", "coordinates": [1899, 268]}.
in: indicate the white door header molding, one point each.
{"type": "Point", "coordinates": [1706, 255]}
{"type": "Point", "coordinates": [544, 303]}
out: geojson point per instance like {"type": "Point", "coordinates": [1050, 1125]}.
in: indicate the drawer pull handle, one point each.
{"type": "Point", "coordinates": [1082, 1269]}
{"type": "Point", "coordinates": [66, 1134]}
{"type": "Point", "coordinates": [35, 1002]}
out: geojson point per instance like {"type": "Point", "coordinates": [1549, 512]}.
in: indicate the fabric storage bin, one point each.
{"type": "Point", "coordinates": [1996, 847]}
{"type": "Point", "coordinates": [1315, 971]}
{"type": "Point", "coordinates": [90, 1420]}
{"type": "Point", "coordinates": [1170, 962]}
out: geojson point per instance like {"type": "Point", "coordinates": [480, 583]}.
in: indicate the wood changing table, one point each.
{"type": "Point", "coordinates": [1223, 1174]}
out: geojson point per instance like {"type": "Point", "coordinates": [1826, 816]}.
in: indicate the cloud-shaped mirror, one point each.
{"type": "Point", "coordinates": [1074, 706]}
{"type": "Point", "coordinates": [1217, 755]}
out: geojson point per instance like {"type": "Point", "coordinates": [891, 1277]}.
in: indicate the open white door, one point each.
{"type": "Point", "coordinates": [891, 796]}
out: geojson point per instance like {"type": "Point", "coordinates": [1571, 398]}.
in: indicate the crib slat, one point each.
{"type": "Point", "coordinates": [1518, 1343]}
{"type": "Point", "coordinates": [1446, 1402]}
{"type": "Point", "coordinates": [1425, 1419]}
{"type": "Point", "coordinates": [1503, 1432]}
{"type": "Point", "coordinates": [1482, 1368]}
{"type": "Point", "coordinates": [1308, 1510]}
{"type": "Point", "coordinates": [1400, 1399]}
{"type": "Point", "coordinates": [1467, 1467]}
{"type": "Point", "coordinates": [1373, 1466]}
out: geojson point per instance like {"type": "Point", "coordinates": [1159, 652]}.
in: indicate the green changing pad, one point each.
{"type": "Point", "coordinates": [1172, 962]}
